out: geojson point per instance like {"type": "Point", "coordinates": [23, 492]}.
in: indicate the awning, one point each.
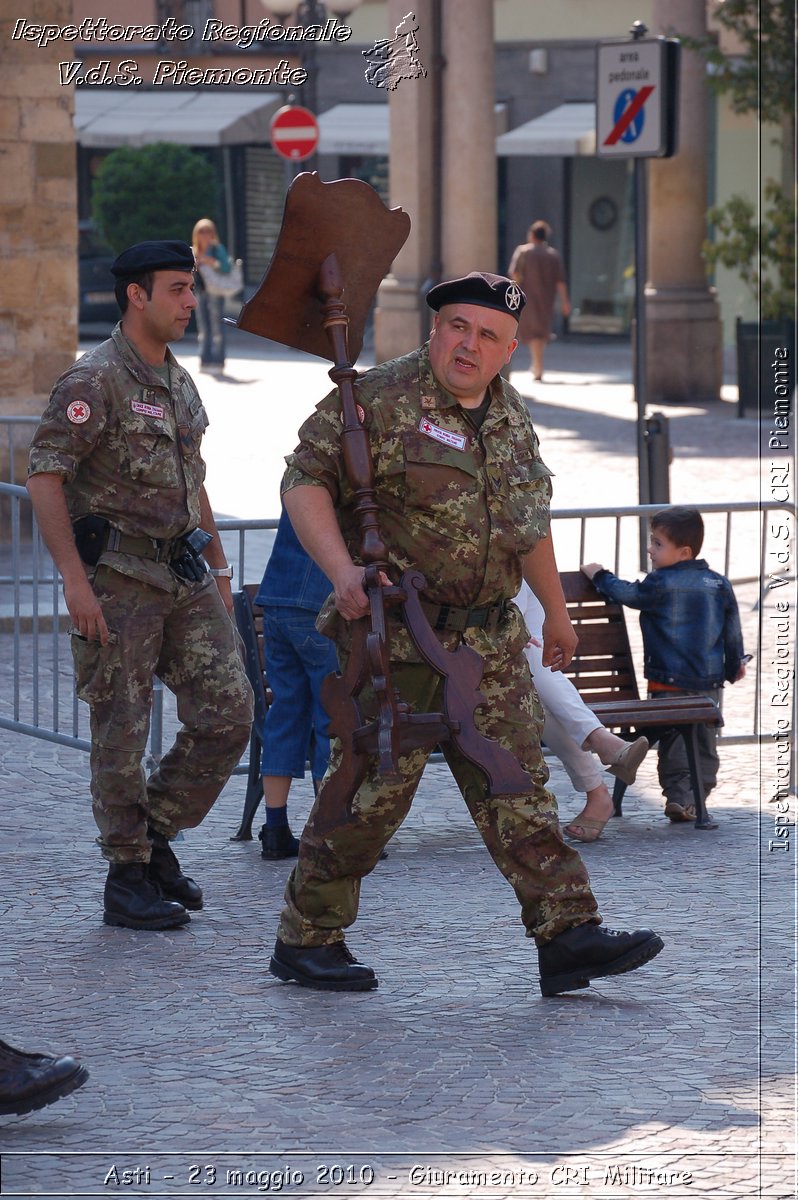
{"type": "Point", "coordinates": [364, 128]}
{"type": "Point", "coordinates": [565, 131]}
{"type": "Point", "coordinates": [223, 117]}
{"type": "Point", "coordinates": [354, 129]}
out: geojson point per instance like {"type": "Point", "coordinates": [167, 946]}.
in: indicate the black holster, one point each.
{"type": "Point", "coordinates": [90, 533]}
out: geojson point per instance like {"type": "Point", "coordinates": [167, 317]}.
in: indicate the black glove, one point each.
{"type": "Point", "coordinates": [187, 561]}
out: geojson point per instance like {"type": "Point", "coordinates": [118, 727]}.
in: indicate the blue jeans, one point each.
{"type": "Point", "coordinates": [297, 659]}
{"type": "Point", "coordinates": [210, 326]}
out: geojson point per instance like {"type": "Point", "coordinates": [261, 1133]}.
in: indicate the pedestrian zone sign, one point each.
{"type": "Point", "coordinates": [637, 98]}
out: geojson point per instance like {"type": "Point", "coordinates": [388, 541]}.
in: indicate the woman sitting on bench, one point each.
{"type": "Point", "coordinates": [572, 731]}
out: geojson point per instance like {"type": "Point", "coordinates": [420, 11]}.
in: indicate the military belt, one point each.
{"type": "Point", "coordinates": [445, 617]}
{"type": "Point", "coordinates": [157, 549]}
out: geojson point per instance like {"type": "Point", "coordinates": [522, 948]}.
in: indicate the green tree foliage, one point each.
{"type": "Point", "coordinates": [759, 79]}
{"type": "Point", "coordinates": [155, 191]}
{"type": "Point", "coordinates": [762, 78]}
{"type": "Point", "coordinates": [763, 254]}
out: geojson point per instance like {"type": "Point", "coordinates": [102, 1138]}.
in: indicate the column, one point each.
{"type": "Point", "coordinates": [38, 218]}
{"type": "Point", "coordinates": [414, 111]}
{"type": "Point", "coordinates": [469, 189]}
{"type": "Point", "coordinates": [685, 340]}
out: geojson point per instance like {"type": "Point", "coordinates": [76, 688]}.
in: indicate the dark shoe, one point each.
{"type": "Point", "coordinates": [133, 900]}
{"type": "Point", "coordinates": [164, 871]}
{"type": "Point", "coordinates": [278, 842]}
{"type": "Point", "coordinates": [570, 960]}
{"type": "Point", "coordinates": [29, 1081]}
{"type": "Point", "coordinates": [328, 968]}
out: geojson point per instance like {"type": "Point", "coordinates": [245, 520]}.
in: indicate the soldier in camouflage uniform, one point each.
{"type": "Point", "coordinates": [117, 457]}
{"type": "Point", "coordinates": [464, 496]}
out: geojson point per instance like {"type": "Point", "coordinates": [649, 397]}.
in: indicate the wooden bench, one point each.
{"type": "Point", "coordinates": [250, 626]}
{"type": "Point", "coordinates": [603, 672]}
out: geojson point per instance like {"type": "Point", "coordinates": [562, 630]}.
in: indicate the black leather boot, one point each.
{"type": "Point", "coordinates": [29, 1081]}
{"type": "Point", "coordinates": [327, 968]}
{"type": "Point", "coordinates": [278, 842]}
{"type": "Point", "coordinates": [132, 900]}
{"type": "Point", "coordinates": [165, 873]}
{"type": "Point", "coordinates": [570, 960]}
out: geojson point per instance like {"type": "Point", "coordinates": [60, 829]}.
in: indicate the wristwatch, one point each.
{"type": "Point", "coordinates": [221, 572]}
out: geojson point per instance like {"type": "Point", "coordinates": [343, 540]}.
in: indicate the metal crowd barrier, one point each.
{"type": "Point", "coordinates": [36, 678]}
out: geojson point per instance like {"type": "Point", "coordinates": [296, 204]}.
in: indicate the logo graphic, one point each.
{"type": "Point", "coordinates": [512, 297]}
{"type": "Point", "coordinates": [393, 59]}
{"type": "Point", "coordinates": [78, 412]}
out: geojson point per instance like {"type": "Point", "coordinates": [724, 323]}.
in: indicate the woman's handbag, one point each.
{"type": "Point", "coordinates": [221, 283]}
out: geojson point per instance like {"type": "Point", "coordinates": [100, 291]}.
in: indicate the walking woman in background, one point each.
{"type": "Point", "coordinates": [209, 252]}
{"type": "Point", "coordinates": [537, 268]}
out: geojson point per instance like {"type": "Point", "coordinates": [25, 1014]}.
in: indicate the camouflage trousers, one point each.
{"type": "Point", "coordinates": [185, 637]}
{"type": "Point", "coordinates": [521, 832]}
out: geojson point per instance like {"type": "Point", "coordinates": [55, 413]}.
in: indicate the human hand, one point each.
{"type": "Point", "coordinates": [590, 569]}
{"type": "Point", "coordinates": [559, 642]}
{"type": "Point", "coordinates": [84, 609]}
{"type": "Point", "coordinates": [351, 598]}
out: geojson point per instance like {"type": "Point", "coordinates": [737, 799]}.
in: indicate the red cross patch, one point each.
{"type": "Point", "coordinates": [78, 412]}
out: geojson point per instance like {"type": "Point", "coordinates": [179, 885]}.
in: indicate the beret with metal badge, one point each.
{"type": "Point", "coordinates": [481, 288]}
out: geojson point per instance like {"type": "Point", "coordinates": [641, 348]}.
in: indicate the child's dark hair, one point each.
{"type": "Point", "coordinates": [684, 526]}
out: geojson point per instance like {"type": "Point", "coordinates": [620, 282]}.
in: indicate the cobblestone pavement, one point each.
{"type": "Point", "coordinates": [455, 1078]}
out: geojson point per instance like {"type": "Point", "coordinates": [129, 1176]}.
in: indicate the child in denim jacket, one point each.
{"type": "Point", "coordinates": [692, 640]}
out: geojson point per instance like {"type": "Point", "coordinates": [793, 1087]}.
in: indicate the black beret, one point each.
{"type": "Point", "coordinates": [153, 256]}
{"type": "Point", "coordinates": [488, 291]}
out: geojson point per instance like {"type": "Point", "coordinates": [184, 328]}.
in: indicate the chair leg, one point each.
{"type": "Point", "coordinates": [254, 792]}
{"type": "Point", "coordinates": [702, 821]}
{"type": "Point", "coordinates": [618, 793]}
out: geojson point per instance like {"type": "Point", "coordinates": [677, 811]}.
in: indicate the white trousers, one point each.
{"type": "Point", "coordinates": [568, 719]}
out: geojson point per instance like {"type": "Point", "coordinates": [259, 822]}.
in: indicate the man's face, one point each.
{"type": "Point", "coordinates": [168, 311]}
{"type": "Point", "coordinates": [468, 346]}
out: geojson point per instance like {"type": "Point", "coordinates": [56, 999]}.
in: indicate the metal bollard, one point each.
{"type": "Point", "coordinates": [660, 457]}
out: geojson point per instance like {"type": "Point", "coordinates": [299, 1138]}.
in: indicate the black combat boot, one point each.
{"type": "Point", "coordinates": [132, 900]}
{"type": "Point", "coordinates": [278, 842]}
{"type": "Point", "coordinates": [29, 1081]}
{"type": "Point", "coordinates": [570, 960]}
{"type": "Point", "coordinates": [328, 968]}
{"type": "Point", "coordinates": [164, 871]}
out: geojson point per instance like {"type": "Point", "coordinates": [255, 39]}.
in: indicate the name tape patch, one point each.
{"type": "Point", "coordinates": [457, 440]}
{"type": "Point", "coordinates": [148, 410]}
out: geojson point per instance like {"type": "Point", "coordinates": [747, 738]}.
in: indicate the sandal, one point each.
{"type": "Point", "coordinates": [679, 812]}
{"type": "Point", "coordinates": [582, 829]}
{"type": "Point", "coordinates": [626, 762]}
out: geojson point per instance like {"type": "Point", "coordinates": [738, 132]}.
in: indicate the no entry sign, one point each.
{"type": "Point", "coordinates": [636, 99]}
{"type": "Point", "coordinates": [294, 132]}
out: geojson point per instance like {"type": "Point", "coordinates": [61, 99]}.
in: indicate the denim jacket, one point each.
{"type": "Point", "coordinates": [291, 578]}
{"type": "Point", "coordinates": [691, 627]}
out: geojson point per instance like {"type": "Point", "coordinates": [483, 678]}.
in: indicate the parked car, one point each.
{"type": "Point", "coordinates": [96, 302]}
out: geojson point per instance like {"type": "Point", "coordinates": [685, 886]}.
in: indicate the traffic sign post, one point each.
{"type": "Point", "coordinates": [294, 132]}
{"type": "Point", "coordinates": [636, 117]}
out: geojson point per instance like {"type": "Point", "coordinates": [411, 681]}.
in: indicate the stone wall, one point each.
{"type": "Point", "coordinates": [38, 217]}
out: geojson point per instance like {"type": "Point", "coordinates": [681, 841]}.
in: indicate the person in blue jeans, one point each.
{"type": "Point", "coordinates": [297, 658]}
{"type": "Point", "coordinates": [210, 309]}
{"type": "Point", "coordinates": [692, 640]}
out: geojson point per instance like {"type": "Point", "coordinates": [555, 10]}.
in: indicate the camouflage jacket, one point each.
{"type": "Point", "coordinates": [128, 445]}
{"type": "Point", "coordinates": [458, 505]}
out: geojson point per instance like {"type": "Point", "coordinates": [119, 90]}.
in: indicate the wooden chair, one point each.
{"type": "Point", "coordinates": [602, 670]}
{"type": "Point", "coordinates": [250, 626]}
